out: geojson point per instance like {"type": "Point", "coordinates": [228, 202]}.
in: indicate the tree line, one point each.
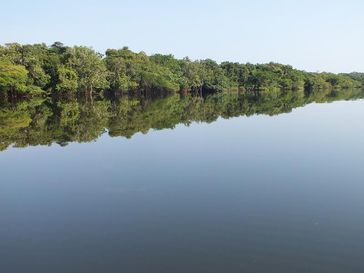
{"type": "Point", "coordinates": [43, 121]}
{"type": "Point", "coordinates": [41, 70]}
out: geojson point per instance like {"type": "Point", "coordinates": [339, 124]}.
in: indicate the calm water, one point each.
{"type": "Point", "coordinates": [266, 190]}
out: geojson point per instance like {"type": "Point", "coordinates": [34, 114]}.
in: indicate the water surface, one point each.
{"type": "Point", "coordinates": [225, 183]}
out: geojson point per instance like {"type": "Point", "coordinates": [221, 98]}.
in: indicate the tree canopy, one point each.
{"type": "Point", "coordinates": [38, 68]}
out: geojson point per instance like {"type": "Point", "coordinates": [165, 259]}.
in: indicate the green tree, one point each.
{"type": "Point", "coordinates": [67, 79]}
{"type": "Point", "coordinates": [90, 68]}
{"type": "Point", "coordinates": [13, 78]}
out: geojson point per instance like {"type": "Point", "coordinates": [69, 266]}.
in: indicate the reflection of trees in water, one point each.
{"type": "Point", "coordinates": [43, 122]}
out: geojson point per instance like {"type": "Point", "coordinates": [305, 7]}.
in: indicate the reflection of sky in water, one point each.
{"type": "Point", "coordinates": [237, 195]}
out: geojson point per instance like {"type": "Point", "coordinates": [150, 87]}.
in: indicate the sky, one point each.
{"type": "Point", "coordinates": [314, 35]}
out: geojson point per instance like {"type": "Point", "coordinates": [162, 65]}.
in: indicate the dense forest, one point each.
{"type": "Point", "coordinates": [134, 92]}
{"type": "Point", "coordinates": [39, 71]}
{"type": "Point", "coordinates": [43, 121]}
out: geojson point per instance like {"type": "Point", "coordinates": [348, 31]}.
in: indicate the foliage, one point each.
{"type": "Point", "coordinates": [28, 69]}
{"type": "Point", "coordinates": [13, 77]}
{"type": "Point", "coordinates": [67, 79]}
{"type": "Point", "coordinates": [89, 67]}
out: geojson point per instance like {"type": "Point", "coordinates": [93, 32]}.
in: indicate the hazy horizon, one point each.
{"type": "Point", "coordinates": [314, 36]}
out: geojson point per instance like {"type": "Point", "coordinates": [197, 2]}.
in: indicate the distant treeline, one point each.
{"type": "Point", "coordinates": [43, 121]}
{"type": "Point", "coordinates": [30, 70]}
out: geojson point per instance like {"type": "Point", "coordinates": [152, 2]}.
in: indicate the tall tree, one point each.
{"type": "Point", "coordinates": [13, 78]}
{"type": "Point", "coordinates": [90, 68]}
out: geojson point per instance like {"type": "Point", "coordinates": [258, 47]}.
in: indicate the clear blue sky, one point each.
{"type": "Point", "coordinates": [315, 35]}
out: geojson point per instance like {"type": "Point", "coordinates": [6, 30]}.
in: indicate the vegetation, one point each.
{"type": "Point", "coordinates": [43, 121]}
{"type": "Point", "coordinates": [53, 78]}
{"type": "Point", "coordinates": [33, 70]}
